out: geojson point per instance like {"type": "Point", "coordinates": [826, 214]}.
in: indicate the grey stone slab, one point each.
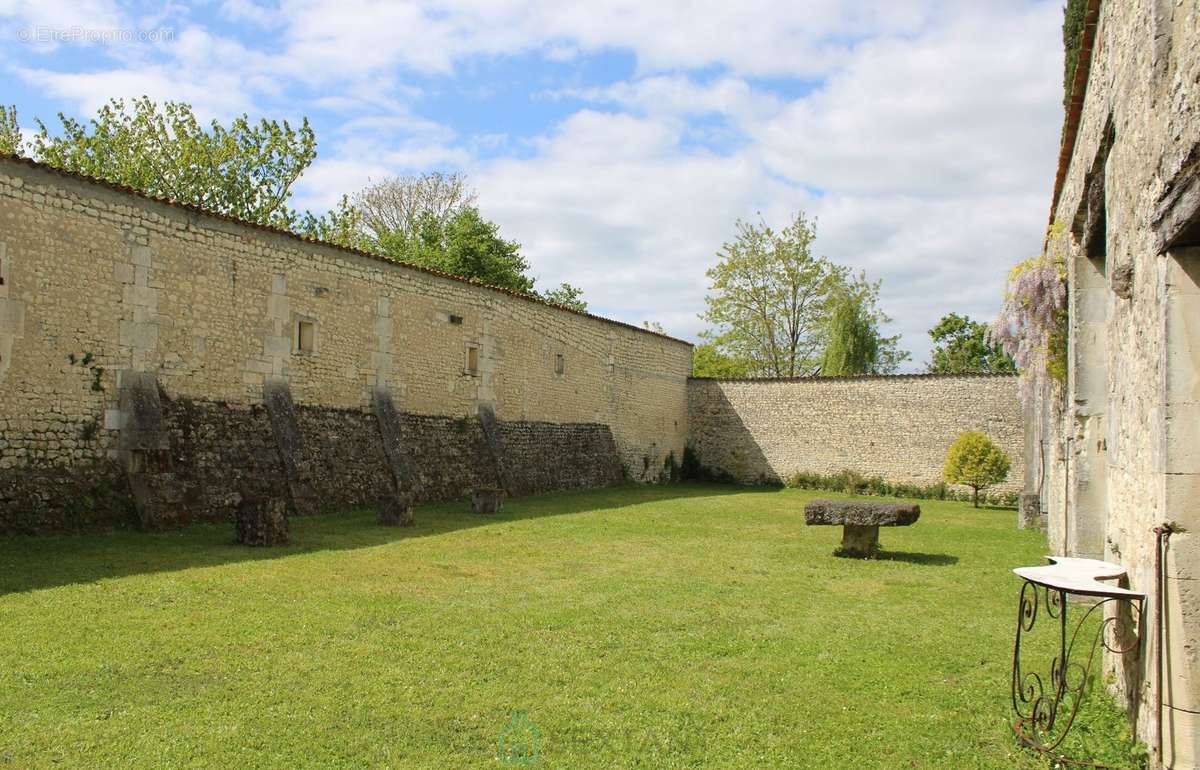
{"type": "Point", "coordinates": [860, 513]}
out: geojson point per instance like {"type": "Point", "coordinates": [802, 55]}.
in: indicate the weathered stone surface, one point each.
{"type": "Point", "coordinates": [60, 498]}
{"type": "Point", "coordinates": [262, 521]}
{"type": "Point", "coordinates": [487, 500]}
{"type": "Point", "coordinates": [211, 307]}
{"type": "Point", "coordinates": [1119, 438]}
{"type": "Point", "coordinates": [898, 427]}
{"type": "Point", "coordinates": [545, 457]}
{"type": "Point", "coordinates": [1029, 512]}
{"type": "Point", "coordinates": [860, 513]}
{"type": "Point", "coordinates": [289, 440]}
{"type": "Point", "coordinates": [859, 541]}
{"type": "Point", "coordinates": [160, 498]}
{"type": "Point", "coordinates": [391, 433]}
{"type": "Point", "coordinates": [395, 511]}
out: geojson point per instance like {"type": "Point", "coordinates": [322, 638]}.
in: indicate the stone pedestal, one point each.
{"type": "Point", "coordinates": [487, 500]}
{"type": "Point", "coordinates": [395, 511]}
{"type": "Point", "coordinates": [860, 522]}
{"type": "Point", "coordinates": [1029, 514]}
{"type": "Point", "coordinates": [261, 521]}
{"type": "Point", "coordinates": [859, 541]}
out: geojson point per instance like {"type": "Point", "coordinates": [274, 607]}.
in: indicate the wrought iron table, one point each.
{"type": "Point", "coordinates": [1046, 708]}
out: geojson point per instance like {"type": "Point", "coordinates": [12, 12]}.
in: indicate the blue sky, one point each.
{"type": "Point", "coordinates": [619, 141]}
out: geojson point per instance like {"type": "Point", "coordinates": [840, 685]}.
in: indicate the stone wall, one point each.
{"type": "Point", "coordinates": [1124, 435]}
{"type": "Point", "coordinates": [101, 287]}
{"type": "Point", "coordinates": [896, 427]}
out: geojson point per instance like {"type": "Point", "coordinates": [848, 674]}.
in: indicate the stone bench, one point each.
{"type": "Point", "coordinates": [860, 521]}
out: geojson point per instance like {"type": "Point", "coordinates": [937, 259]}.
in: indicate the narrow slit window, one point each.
{"type": "Point", "coordinates": [560, 364]}
{"type": "Point", "coordinates": [472, 359]}
{"type": "Point", "coordinates": [306, 336]}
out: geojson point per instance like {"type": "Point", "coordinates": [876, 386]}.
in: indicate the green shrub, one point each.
{"type": "Point", "coordinates": [854, 483]}
{"type": "Point", "coordinates": [973, 460]}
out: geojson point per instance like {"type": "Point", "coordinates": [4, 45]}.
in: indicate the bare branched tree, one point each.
{"type": "Point", "coordinates": [397, 204]}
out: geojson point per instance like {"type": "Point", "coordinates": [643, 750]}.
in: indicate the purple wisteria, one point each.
{"type": "Point", "coordinates": [1031, 326]}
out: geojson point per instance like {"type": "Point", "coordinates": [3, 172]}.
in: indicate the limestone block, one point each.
{"type": "Point", "coordinates": [486, 500]}
{"type": "Point", "coordinates": [861, 513]}
{"type": "Point", "coordinates": [261, 521]}
{"type": "Point", "coordinates": [859, 541]}
{"type": "Point", "coordinates": [1029, 512]}
{"type": "Point", "coordinates": [395, 511]}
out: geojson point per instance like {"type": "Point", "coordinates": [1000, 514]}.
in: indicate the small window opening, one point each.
{"type": "Point", "coordinates": [456, 320]}
{"type": "Point", "coordinates": [306, 336]}
{"type": "Point", "coordinates": [560, 364]}
{"type": "Point", "coordinates": [472, 359]}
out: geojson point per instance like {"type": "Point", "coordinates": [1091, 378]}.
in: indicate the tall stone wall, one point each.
{"type": "Point", "coordinates": [1124, 433]}
{"type": "Point", "coordinates": [101, 288]}
{"type": "Point", "coordinates": [896, 427]}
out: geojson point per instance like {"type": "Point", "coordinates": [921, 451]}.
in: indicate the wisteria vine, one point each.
{"type": "Point", "coordinates": [1032, 325]}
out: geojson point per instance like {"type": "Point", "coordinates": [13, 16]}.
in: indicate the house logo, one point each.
{"type": "Point", "coordinates": [519, 741]}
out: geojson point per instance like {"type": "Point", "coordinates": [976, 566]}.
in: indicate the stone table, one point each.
{"type": "Point", "coordinates": [860, 521]}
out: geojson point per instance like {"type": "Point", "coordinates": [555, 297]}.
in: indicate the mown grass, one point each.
{"type": "Point", "coordinates": [643, 627]}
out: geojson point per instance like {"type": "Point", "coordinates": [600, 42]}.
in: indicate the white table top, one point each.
{"type": "Point", "coordinates": [1079, 576]}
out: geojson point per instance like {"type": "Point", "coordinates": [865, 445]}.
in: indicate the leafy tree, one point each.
{"type": "Point", "coordinates": [567, 296]}
{"type": "Point", "coordinates": [707, 361]}
{"type": "Point", "coordinates": [399, 205]}
{"type": "Point", "coordinates": [245, 170]}
{"type": "Point", "coordinates": [855, 345]}
{"type": "Point", "coordinates": [769, 299]}
{"type": "Point", "coordinates": [465, 245]}
{"type": "Point", "coordinates": [780, 311]}
{"type": "Point", "coordinates": [11, 141]}
{"type": "Point", "coordinates": [961, 345]}
{"type": "Point", "coordinates": [341, 225]}
{"type": "Point", "coordinates": [431, 220]}
{"type": "Point", "coordinates": [973, 460]}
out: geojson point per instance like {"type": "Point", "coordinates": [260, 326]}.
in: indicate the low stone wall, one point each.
{"type": "Point", "coordinates": [543, 456]}
{"type": "Point", "coordinates": [45, 498]}
{"type": "Point", "coordinates": [897, 427]}
{"type": "Point", "coordinates": [215, 452]}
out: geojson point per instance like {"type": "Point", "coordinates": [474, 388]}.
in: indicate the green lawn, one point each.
{"type": "Point", "coordinates": [650, 627]}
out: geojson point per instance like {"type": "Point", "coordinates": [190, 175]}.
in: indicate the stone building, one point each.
{"type": "Point", "coordinates": [1114, 453]}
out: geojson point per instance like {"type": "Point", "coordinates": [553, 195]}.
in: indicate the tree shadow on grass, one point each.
{"type": "Point", "coordinates": [33, 562]}
{"type": "Point", "coordinates": [926, 559]}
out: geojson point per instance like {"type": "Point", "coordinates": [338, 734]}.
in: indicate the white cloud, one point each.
{"type": "Point", "coordinates": [611, 203]}
{"type": "Point", "coordinates": [931, 157]}
{"type": "Point", "coordinates": [752, 36]}
{"type": "Point", "coordinates": [215, 94]}
{"type": "Point", "coordinates": [962, 108]}
{"type": "Point", "coordinates": [925, 147]}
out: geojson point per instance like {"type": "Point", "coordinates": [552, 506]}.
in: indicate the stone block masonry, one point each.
{"type": "Point", "coordinates": [185, 361]}
{"type": "Point", "coordinates": [102, 288]}
{"type": "Point", "coordinates": [897, 427]}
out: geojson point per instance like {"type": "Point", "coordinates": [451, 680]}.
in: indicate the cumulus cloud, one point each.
{"type": "Point", "coordinates": [921, 133]}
